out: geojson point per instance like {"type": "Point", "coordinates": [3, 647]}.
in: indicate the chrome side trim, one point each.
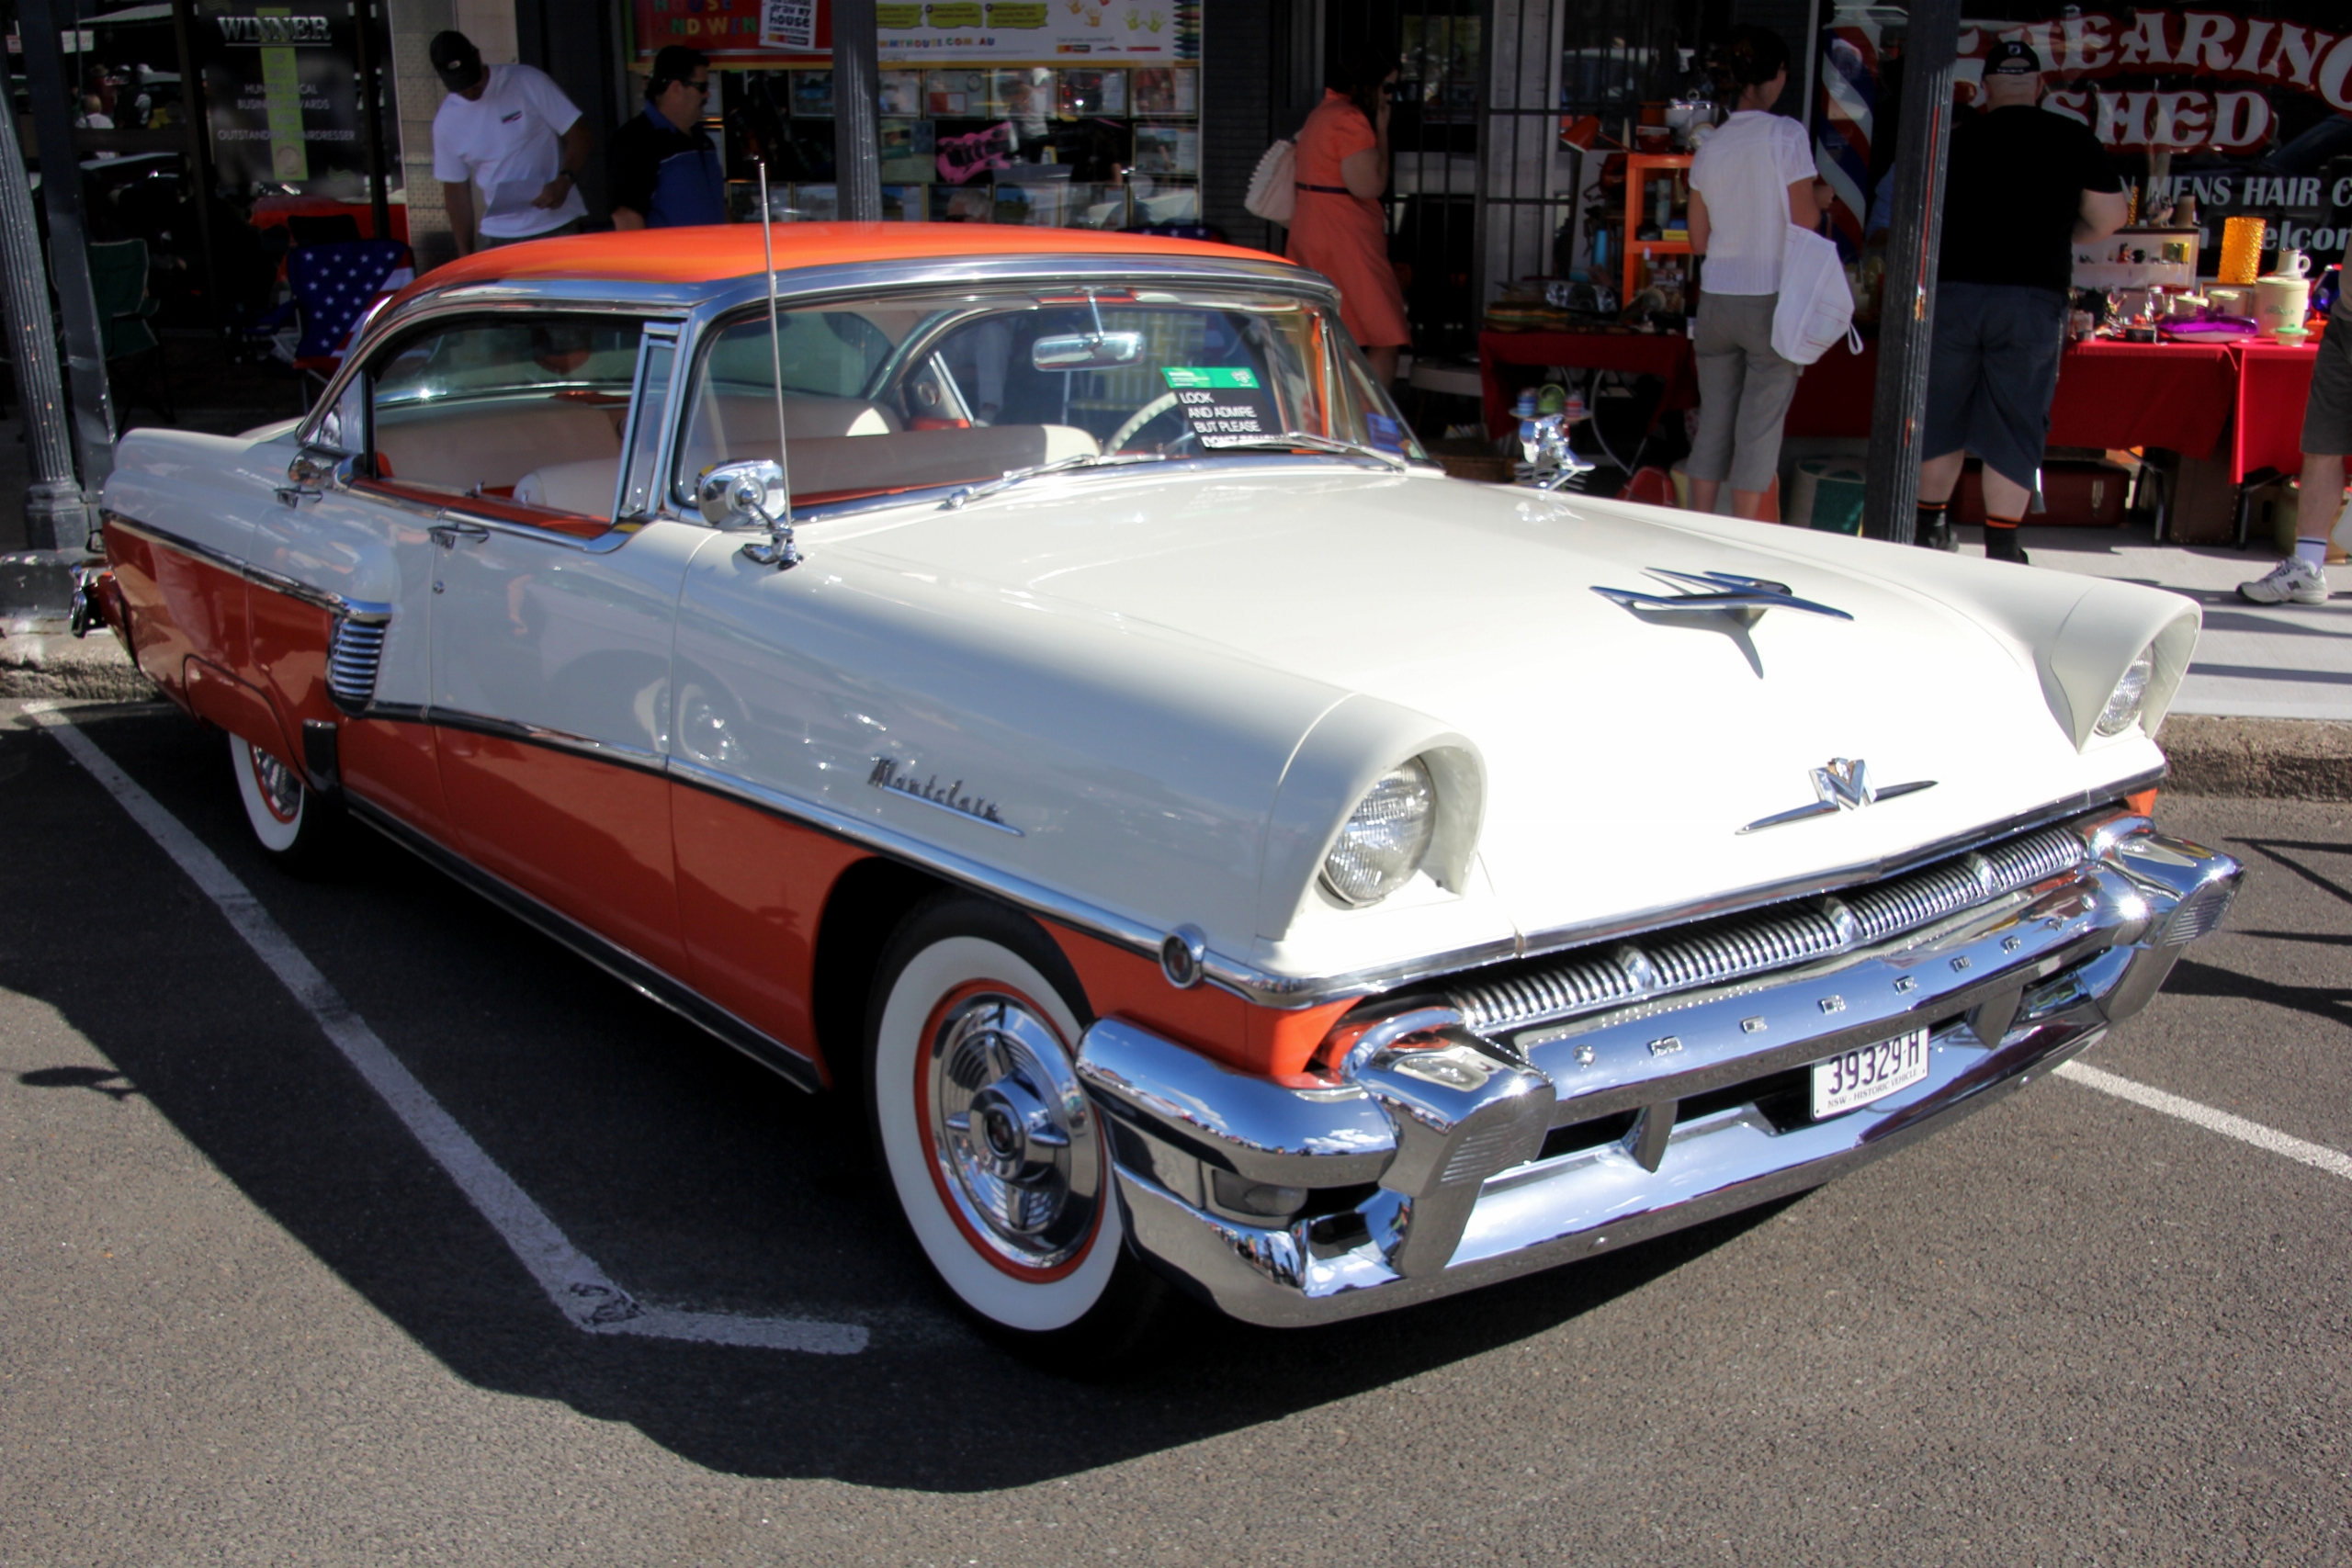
{"type": "Point", "coordinates": [354, 654]}
{"type": "Point", "coordinates": [632, 971]}
{"type": "Point", "coordinates": [613, 751]}
{"type": "Point", "coordinates": [1015, 890]}
{"type": "Point", "coordinates": [364, 611]}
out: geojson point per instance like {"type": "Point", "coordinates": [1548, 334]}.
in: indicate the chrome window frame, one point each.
{"type": "Point", "coordinates": [469, 302]}
{"type": "Point", "coordinates": [657, 336]}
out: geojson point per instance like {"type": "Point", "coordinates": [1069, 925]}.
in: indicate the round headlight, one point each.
{"type": "Point", "coordinates": [2122, 710]}
{"type": "Point", "coordinates": [1386, 837]}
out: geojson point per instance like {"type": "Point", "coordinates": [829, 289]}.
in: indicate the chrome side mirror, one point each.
{"type": "Point", "coordinates": [751, 493]}
{"type": "Point", "coordinates": [741, 495]}
{"type": "Point", "coordinates": [1087, 350]}
{"type": "Point", "coordinates": [311, 471]}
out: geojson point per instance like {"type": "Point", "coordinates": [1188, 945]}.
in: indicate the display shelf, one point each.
{"type": "Point", "coordinates": [1639, 167]}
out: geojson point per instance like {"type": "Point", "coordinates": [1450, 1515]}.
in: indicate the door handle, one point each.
{"type": "Point", "coordinates": [446, 535]}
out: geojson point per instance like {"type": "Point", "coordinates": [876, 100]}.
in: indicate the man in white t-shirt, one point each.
{"type": "Point", "coordinates": [509, 131]}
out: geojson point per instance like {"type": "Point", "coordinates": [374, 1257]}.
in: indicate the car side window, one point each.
{"type": "Point", "coordinates": [519, 417]}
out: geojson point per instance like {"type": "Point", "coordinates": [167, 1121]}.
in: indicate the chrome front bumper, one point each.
{"type": "Point", "coordinates": [1445, 1160]}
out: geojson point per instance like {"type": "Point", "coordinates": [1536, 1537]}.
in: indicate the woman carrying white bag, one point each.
{"type": "Point", "coordinates": [1751, 180]}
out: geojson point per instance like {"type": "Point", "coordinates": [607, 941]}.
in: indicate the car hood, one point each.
{"type": "Point", "coordinates": [1626, 755]}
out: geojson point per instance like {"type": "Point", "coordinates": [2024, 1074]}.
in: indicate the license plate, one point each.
{"type": "Point", "coordinates": [1867, 1072]}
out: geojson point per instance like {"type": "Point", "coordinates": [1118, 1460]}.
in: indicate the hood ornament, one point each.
{"type": "Point", "coordinates": [1844, 785]}
{"type": "Point", "coordinates": [1744, 598]}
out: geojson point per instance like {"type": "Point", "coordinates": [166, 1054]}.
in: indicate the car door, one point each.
{"type": "Point", "coordinates": [552, 602]}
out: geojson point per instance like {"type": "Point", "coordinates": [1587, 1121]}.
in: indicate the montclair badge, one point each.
{"type": "Point", "coordinates": [890, 774]}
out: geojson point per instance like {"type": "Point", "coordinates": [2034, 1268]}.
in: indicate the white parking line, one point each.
{"type": "Point", "coordinates": [580, 1290]}
{"type": "Point", "coordinates": [2213, 1121]}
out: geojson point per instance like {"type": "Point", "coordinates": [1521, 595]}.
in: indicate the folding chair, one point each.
{"type": "Point", "coordinates": [119, 281]}
{"type": "Point", "coordinates": [333, 286]}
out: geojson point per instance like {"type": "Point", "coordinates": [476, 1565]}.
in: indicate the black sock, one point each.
{"type": "Point", "coordinates": [2001, 537]}
{"type": "Point", "coordinates": [1930, 513]}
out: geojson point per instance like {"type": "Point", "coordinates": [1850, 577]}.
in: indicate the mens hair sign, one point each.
{"type": "Point", "coordinates": [273, 33]}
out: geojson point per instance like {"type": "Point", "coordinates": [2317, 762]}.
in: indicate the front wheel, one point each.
{"type": "Point", "coordinates": [290, 822]}
{"type": "Point", "coordinates": [999, 1159]}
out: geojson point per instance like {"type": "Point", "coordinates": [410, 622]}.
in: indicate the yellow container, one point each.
{"type": "Point", "coordinates": [2241, 250]}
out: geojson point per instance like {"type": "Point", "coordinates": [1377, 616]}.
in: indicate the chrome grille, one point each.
{"type": "Point", "coordinates": [1711, 953]}
{"type": "Point", "coordinates": [1742, 947]}
{"type": "Point", "coordinates": [2021, 862]}
{"type": "Point", "coordinates": [352, 658]}
{"type": "Point", "coordinates": [1892, 907]}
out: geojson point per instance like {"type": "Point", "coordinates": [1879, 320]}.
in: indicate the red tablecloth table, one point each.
{"type": "Point", "coordinates": [2177, 396]}
{"type": "Point", "coordinates": [2268, 429]}
{"type": "Point", "coordinates": [2182, 396]}
{"type": "Point", "coordinates": [1640, 353]}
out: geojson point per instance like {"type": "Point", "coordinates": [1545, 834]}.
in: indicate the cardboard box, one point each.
{"type": "Point", "coordinates": [2087, 494]}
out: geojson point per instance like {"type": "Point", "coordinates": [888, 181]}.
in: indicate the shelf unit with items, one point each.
{"type": "Point", "coordinates": [1639, 254]}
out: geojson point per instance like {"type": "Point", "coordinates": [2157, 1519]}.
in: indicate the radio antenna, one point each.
{"type": "Point", "coordinates": [782, 524]}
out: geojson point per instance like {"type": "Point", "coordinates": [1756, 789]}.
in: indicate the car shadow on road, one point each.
{"type": "Point", "coordinates": [144, 969]}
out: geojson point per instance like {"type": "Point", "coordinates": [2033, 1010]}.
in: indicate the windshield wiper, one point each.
{"type": "Point", "coordinates": [1060, 465]}
{"type": "Point", "coordinates": [1316, 442]}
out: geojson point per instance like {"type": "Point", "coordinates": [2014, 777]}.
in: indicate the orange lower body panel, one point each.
{"type": "Point", "coordinates": [586, 838]}
{"type": "Point", "coordinates": [752, 888]}
{"type": "Point", "coordinates": [1277, 1042]}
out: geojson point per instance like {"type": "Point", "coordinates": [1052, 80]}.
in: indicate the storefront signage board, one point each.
{"type": "Point", "coordinates": [2217, 91]}
{"type": "Point", "coordinates": [281, 94]}
{"type": "Point", "coordinates": [994, 32]}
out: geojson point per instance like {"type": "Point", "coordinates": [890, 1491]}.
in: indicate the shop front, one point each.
{"type": "Point", "coordinates": [1084, 115]}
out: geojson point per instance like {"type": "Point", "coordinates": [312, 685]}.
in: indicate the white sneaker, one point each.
{"type": "Point", "coordinates": [2292, 581]}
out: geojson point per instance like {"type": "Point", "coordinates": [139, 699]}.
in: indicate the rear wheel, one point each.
{"type": "Point", "coordinates": [288, 820]}
{"type": "Point", "coordinates": [999, 1159]}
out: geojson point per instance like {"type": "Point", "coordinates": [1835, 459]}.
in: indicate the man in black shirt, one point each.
{"type": "Point", "coordinates": [665, 172]}
{"type": "Point", "coordinates": [2025, 187]}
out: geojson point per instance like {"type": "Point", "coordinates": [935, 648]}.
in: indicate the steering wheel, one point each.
{"type": "Point", "coordinates": [1137, 420]}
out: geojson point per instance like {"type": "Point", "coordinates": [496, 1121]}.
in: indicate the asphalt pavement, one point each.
{"type": "Point", "coordinates": [246, 1315]}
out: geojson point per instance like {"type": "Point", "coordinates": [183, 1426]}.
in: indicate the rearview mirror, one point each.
{"type": "Point", "coordinates": [749, 494]}
{"type": "Point", "coordinates": [1087, 350]}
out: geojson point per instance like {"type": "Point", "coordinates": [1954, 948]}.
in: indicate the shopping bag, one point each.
{"type": "Point", "coordinates": [1273, 188]}
{"type": "Point", "coordinates": [1815, 306]}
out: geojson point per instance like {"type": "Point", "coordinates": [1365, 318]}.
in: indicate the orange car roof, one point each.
{"type": "Point", "coordinates": [722, 252]}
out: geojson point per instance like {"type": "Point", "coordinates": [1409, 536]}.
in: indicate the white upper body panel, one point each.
{"type": "Point", "coordinates": [1157, 694]}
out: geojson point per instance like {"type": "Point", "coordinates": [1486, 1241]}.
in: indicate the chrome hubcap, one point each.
{"type": "Point", "coordinates": [1013, 1133]}
{"type": "Point", "coordinates": [279, 786]}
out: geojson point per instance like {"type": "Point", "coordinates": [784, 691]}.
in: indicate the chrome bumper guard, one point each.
{"type": "Point", "coordinates": [1445, 1160]}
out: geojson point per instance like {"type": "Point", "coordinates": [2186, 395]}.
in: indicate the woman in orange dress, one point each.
{"type": "Point", "coordinates": [1339, 228]}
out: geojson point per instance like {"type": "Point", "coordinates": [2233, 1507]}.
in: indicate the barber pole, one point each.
{"type": "Point", "coordinates": [1842, 145]}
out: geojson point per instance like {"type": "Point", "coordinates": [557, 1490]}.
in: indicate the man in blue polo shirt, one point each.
{"type": "Point", "coordinates": [665, 172]}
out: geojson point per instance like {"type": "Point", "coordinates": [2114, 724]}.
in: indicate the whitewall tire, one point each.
{"type": "Point", "coordinates": [999, 1160]}
{"type": "Point", "coordinates": [288, 821]}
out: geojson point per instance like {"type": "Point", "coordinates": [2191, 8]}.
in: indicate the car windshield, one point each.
{"type": "Point", "coordinates": [914, 391]}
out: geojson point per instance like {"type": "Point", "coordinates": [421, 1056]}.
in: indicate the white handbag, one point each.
{"type": "Point", "coordinates": [1274, 187]}
{"type": "Point", "coordinates": [1815, 306]}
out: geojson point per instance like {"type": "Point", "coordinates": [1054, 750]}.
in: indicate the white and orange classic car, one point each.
{"type": "Point", "coordinates": [1031, 685]}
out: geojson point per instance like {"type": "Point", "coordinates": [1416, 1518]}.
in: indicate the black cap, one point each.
{"type": "Point", "coordinates": [455, 59]}
{"type": "Point", "coordinates": [2012, 57]}
{"type": "Point", "coordinates": [673, 62]}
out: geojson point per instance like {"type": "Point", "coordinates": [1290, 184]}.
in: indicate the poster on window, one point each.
{"type": "Point", "coordinates": [282, 99]}
{"type": "Point", "coordinates": [2243, 116]}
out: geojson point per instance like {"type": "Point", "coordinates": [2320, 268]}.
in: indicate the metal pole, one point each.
{"type": "Point", "coordinates": [54, 516]}
{"type": "Point", "coordinates": [1908, 321]}
{"type": "Point", "coordinates": [61, 190]}
{"type": "Point", "coordinates": [371, 130]}
{"type": "Point", "coordinates": [857, 144]}
{"type": "Point", "coordinates": [193, 116]}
